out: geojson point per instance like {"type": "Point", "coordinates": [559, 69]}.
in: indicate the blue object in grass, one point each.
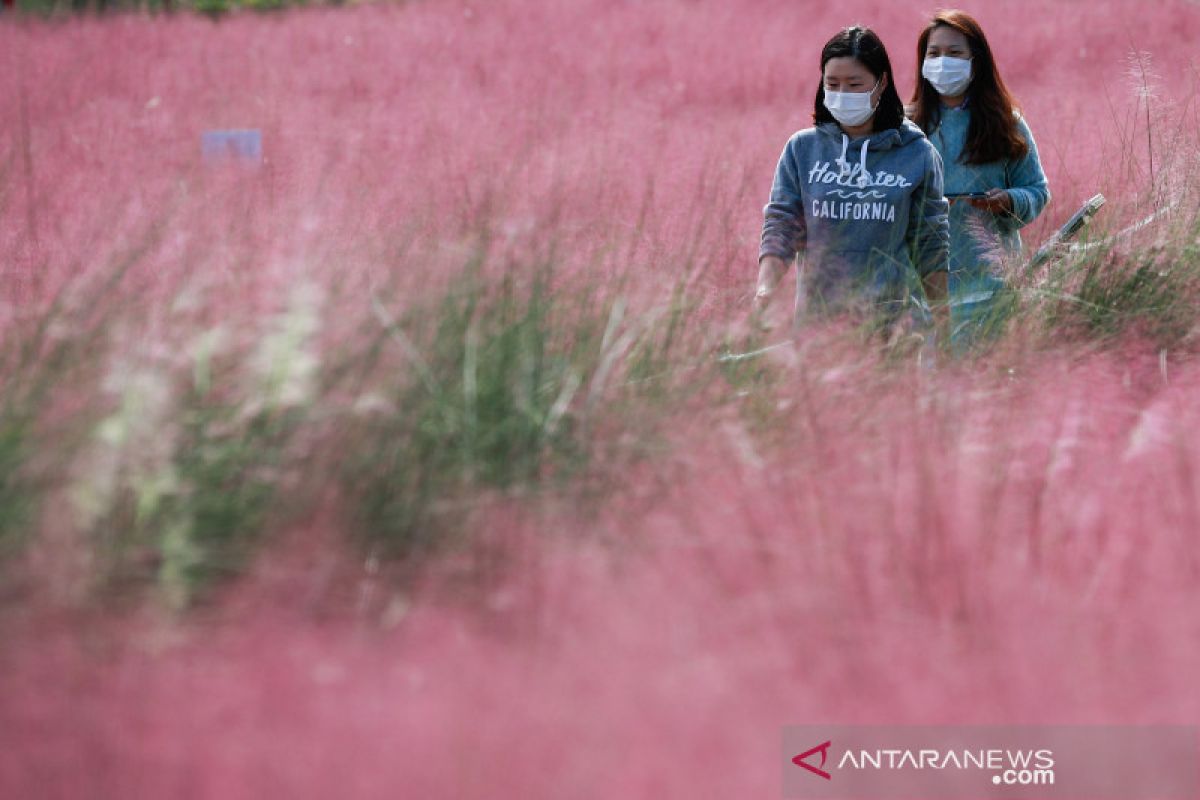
{"type": "Point", "coordinates": [232, 146]}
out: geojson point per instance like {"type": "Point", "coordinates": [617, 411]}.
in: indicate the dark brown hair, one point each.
{"type": "Point", "coordinates": [863, 45]}
{"type": "Point", "coordinates": [992, 134]}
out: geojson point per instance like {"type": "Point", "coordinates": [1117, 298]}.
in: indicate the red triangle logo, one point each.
{"type": "Point", "coordinates": [823, 749]}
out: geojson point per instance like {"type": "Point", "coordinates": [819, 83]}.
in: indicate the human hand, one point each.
{"type": "Point", "coordinates": [760, 320]}
{"type": "Point", "coordinates": [770, 271]}
{"type": "Point", "coordinates": [761, 302]}
{"type": "Point", "coordinates": [996, 201]}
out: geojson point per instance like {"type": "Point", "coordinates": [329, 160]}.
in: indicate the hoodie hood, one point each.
{"type": "Point", "coordinates": [906, 133]}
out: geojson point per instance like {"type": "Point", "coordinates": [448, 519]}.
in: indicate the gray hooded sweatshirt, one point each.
{"type": "Point", "coordinates": [866, 216]}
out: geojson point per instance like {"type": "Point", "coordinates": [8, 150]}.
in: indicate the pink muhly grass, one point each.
{"type": "Point", "coordinates": [975, 551]}
{"type": "Point", "coordinates": [831, 536]}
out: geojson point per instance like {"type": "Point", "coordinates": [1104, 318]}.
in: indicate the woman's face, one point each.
{"type": "Point", "coordinates": [945, 41]}
{"type": "Point", "coordinates": [848, 74]}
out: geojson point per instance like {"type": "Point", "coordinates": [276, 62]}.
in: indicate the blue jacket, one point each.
{"type": "Point", "coordinates": [866, 216]}
{"type": "Point", "coordinates": [980, 240]}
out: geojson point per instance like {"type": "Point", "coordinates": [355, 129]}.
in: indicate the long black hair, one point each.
{"type": "Point", "coordinates": [865, 46]}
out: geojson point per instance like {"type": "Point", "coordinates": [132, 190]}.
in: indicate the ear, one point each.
{"type": "Point", "coordinates": [884, 81]}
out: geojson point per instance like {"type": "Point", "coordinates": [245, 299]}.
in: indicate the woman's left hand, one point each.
{"type": "Point", "coordinates": [996, 201]}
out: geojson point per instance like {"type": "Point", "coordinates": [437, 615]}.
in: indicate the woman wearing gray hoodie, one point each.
{"type": "Point", "coordinates": [858, 198]}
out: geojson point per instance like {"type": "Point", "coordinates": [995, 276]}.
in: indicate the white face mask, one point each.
{"type": "Point", "coordinates": [949, 75]}
{"type": "Point", "coordinates": [851, 108]}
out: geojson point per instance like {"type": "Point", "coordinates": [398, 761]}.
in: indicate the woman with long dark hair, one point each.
{"type": "Point", "coordinates": [993, 177]}
{"type": "Point", "coordinates": [858, 197]}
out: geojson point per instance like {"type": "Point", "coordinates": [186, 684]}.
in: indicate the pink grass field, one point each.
{"type": "Point", "coordinates": [1010, 540]}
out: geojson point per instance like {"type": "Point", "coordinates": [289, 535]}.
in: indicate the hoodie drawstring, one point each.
{"type": "Point", "coordinates": [841, 160]}
{"type": "Point", "coordinates": [864, 178]}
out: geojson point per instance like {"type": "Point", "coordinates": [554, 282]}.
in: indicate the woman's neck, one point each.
{"type": "Point", "coordinates": [953, 102]}
{"type": "Point", "coordinates": [857, 131]}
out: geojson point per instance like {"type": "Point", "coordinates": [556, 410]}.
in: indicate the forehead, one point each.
{"type": "Point", "coordinates": [846, 68]}
{"type": "Point", "coordinates": [946, 38]}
